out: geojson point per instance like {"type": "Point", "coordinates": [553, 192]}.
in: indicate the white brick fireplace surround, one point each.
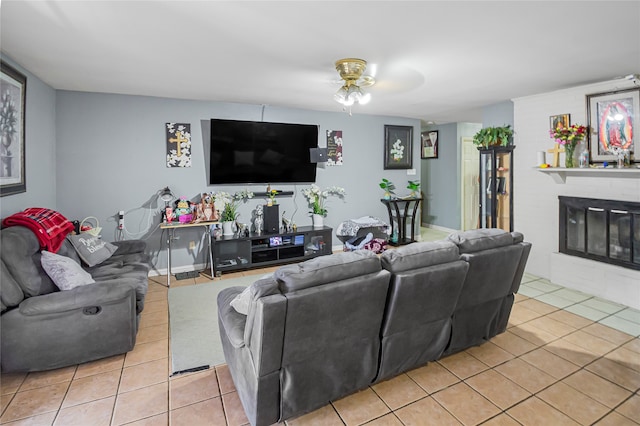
{"type": "Point", "coordinates": [536, 196]}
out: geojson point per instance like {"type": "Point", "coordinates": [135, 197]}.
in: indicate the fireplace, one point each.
{"type": "Point", "coordinates": [603, 230]}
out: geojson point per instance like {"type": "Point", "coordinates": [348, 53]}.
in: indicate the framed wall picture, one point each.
{"type": "Point", "coordinates": [429, 144]}
{"type": "Point", "coordinates": [178, 136]}
{"type": "Point", "coordinates": [334, 146]}
{"type": "Point", "coordinates": [13, 88]}
{"type": "Point", "coordinates": [398, 147]}
{"type": "Point", "coordinates": [560, 121]}
{"type": "Point", "coordinates": [614, 122]}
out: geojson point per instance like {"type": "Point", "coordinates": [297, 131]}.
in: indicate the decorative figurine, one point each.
{"type": "Point", "coordinates": [259, 220]}
{"type": "Point", "coordinates": [217, 232]}
{"type": "Point", "coordinates": [183, 211]}
{"type": "Point", "coordinates": [168, 214]}
{"type": "Point", "coordinates": [286, 223]}
{"type": "Point", "coordinates": [208, 207]}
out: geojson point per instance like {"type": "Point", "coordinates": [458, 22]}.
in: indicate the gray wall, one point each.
{"type": "Point", "coordinates": [440, 177]}
{"type": "Point", "coordinates": [40, 148]}
{"type": "Point", "coordinates": [440, 180]}
{"type": "Point", "coordinates": [111, 157]}
{"type": "Point", "coordinates": [498, 115]}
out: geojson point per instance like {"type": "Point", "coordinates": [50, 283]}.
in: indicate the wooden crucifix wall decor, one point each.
{"type": "Point", "coordinates": [178, 144]}
{"type": "Point", "coordinates": [556, 151]}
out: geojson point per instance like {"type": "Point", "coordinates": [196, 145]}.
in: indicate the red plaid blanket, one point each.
{"type": "Point", "coordinates": [50, 227]}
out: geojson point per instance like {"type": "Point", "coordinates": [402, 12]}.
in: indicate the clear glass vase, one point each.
{"type": "Point", "coordinates": [569, 158]}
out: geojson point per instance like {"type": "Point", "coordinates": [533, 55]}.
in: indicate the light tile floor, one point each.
{"type": "Point", "coordinates": [566, 358]}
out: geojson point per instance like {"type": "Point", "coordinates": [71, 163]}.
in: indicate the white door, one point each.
{"type": "Point", "coordinates": [470, 171]}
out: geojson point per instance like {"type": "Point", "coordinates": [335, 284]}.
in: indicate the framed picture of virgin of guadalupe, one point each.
{"type": "Point", "coordinates": [614, 122]}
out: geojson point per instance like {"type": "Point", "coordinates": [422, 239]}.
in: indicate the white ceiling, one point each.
{"type": "Point", "coordinates": [433, 60]}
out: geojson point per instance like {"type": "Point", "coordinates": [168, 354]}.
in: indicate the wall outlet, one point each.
{"type": "Point", "coordinates": [411, 172]}
{"type": "Point", "coordinates": [192, 245]}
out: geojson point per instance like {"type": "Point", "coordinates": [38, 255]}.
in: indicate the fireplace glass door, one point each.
{"type": "Point", "coordinates": [575, 224]}
{"type": "Point", "coordinates": [603, 230]}
{"type": "Point", "coordinates": [597, 236]}
{"type": "Point", "coordinates": [620, 235]}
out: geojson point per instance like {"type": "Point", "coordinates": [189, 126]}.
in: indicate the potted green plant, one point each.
{"type": "Point", "coordinates": [388, 187]}
{"type": "Point", "coordinates": [229, 204]}
{"type": "Point", "coordinates": [493, 136]}
{"type": "Point", "coordinates": [414, 187]}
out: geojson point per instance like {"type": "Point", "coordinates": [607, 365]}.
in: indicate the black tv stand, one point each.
{"type": "Point", "coordinates": [236, 253]}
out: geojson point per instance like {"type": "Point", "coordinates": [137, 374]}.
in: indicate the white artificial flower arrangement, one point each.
{"type": "Point", "coordinates": [317, 197]}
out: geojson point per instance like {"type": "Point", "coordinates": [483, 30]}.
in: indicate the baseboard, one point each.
{"type": "Point", "coordinates": [178, 269]}
{"type": "Point", "coordinates": [438, 228]}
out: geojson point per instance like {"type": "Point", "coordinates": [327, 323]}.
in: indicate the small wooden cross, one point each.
{"type": "Point", "coordinates": [556, 151]}
{"type": "Point", "coordinates": [178, 141]}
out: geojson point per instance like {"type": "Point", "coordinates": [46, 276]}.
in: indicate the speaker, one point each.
{"type": "Point", "coordinates": [319, 155]}
{"type": "Point", "coordinates": [271, 219]}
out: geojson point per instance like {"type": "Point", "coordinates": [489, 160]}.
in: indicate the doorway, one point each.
{"type": "Point", "coordinates": [469, 171]}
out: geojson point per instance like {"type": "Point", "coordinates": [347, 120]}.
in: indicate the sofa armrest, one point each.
{"type": "Point", "coordinates": [129, 247]}
{"type": "Point", "coordinates": [232, 322]}
{"type": "Point", "coordinates": [78, 298]}
{"type": "Point", "coordinates": [67, 328]}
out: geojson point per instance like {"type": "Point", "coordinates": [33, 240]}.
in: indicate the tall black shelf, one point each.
{"type": "Point", "coordinates": [496, 187]}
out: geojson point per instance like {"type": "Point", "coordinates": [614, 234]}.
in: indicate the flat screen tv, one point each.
{"type": "Point", "coordinates": [261, 152]}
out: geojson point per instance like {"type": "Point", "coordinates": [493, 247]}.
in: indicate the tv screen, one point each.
{"type": "Point", "coordinates": [261, 152]}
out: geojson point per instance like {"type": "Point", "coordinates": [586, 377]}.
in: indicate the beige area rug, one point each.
{"type": "Point", "coordinates": [194, 337]}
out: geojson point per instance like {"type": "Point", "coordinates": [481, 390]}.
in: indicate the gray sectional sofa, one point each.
{"type": "Point", "coordinates": [44, 328]}
{"type": "Point", "coordinates": [317, 331]}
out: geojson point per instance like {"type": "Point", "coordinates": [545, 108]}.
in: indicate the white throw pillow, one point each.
{"type": "Point", "coordinates": [241, 302]}
{"type": "Point", "coordinates": [65, 272]}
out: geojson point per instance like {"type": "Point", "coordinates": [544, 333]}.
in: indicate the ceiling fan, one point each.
{"type": "Point", "coordinates": [351, 72]}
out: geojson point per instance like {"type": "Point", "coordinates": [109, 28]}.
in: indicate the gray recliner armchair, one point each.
{"type": "Point", "coordinates": [311, 335]}
{"type": "Point", "coordinates": [43, 328]}
{"type": "Point", "coordinates": [426, 281]}
{"type": "Point", "coordinates": [496, 261]}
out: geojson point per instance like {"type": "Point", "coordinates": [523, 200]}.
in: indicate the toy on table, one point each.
{"type": "Point", "coordinates": [169, 215]}
{"type": "Point", "coordinates": [205, 210]}
{"type": "Point", "coordinates": [183, 211]}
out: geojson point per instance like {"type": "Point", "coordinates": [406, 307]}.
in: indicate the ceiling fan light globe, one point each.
{"type": "Point", "coordinates": [365, 98]}
{"type": "Point", "coordinates": [341, 95]}
{"type": "Point", "coordinates": [351, 71]}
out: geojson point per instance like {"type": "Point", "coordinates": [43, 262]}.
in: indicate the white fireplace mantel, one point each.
{"type": "Point", "coordinates": [559, 174]}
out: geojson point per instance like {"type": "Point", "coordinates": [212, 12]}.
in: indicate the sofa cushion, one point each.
{"type": "Point", "coordinates": [325, 269]}
{"type": "Point", "coordinates": [65, 272]}
{"type": "Point", "coordinates": [517, 237]}
{"type": "Point", "coordinates": [10, 292]}
{"type": "Point", "coordinates": [419, 255]}
{"type": "Point", "coordinates": [20, 251]}
{"type": "Point", "coordinates": [481, 239]}
{"type": "Point", "coordinates": [67, 250]}
{"type": "Point", "coordinates": [130, 246]}
{"type": "Point", "coordinates": [91, 249]}
{"type": "Point", "coordinates": [231, 321]}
